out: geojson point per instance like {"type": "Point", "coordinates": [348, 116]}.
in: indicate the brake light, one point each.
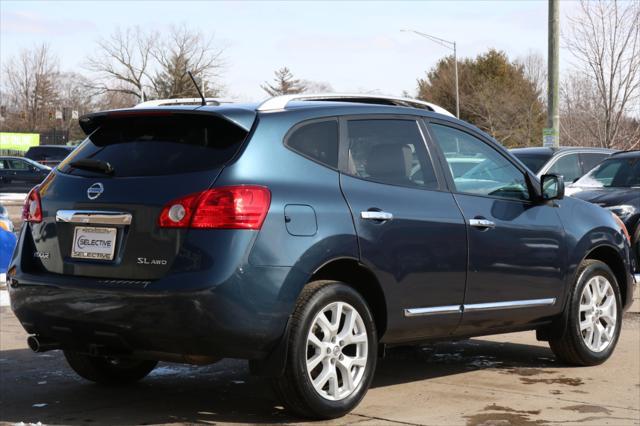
{"type": "Point", "coordinates": [32, 209]}
{"type": "Point", "coordinates": [229, 207]}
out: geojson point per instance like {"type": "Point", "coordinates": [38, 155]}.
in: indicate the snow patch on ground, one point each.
{"type": "Point", "coordinates": [4, 298]}
{"type": "Point", "coordinates": [170, 370]}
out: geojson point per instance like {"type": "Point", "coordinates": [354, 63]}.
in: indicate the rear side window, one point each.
{"type": "Point", "coordinates": [317, 140]}
{"type": "Point", "coordinates": [159, 145]}
{"type": "Point", "coordinates": [389, 151]}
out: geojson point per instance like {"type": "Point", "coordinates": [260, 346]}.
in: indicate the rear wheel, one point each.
{"type": "Point", "coordinates": [111, 371]}
{"type": "Point", "coordinates": [594, 317]}
{"type": "Point", "coordinates": [332, 352]}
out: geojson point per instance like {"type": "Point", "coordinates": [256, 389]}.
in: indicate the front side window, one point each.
{"type": "Point", "coordinates": [567, 166]}
{"type": "Point", "coordinates": [492, 175]}
{"type": "Point", "coordinates": [391, 152]}
{"type": "Point", "coordinates": [318, 141]}
{"type": "Point", "coordinates": [613, 173]}
{"type": "Point", "coordinates": [18, 165]}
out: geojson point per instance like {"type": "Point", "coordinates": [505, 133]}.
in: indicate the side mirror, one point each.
{"type": "Point", "coordinates": [552, 187]}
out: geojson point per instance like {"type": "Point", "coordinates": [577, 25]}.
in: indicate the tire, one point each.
{"type": "Point", "coordinates": [330, 352]}
{"type": "Point", "coordinates": [576, 346]}
{"type": "Point", "coordinates": [109, 371]}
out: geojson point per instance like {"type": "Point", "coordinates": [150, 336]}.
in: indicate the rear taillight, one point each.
{"type": "Point", "coordinates": [228, 207]}
{"type": "Point", "coordinates": [32, 209]}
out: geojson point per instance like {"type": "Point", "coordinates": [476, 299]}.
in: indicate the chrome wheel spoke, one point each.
{"type": "Point", "coordinates": [336, 363]}
{"type": "Point", "coordinates": [598, 314]}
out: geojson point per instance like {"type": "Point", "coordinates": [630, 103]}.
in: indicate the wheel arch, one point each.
{"type": "Point", "coordinates": [610, 256]}
{"type": "Point", "coordinates": [353, 273]}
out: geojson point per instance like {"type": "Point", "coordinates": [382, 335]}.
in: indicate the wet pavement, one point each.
{"type": "Point", "coordinates": [508, 379]}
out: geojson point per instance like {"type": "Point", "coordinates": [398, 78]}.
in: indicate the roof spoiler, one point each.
{"type": "Point", "coordinates": [242, 118]}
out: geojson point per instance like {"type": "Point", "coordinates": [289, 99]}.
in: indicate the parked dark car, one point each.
{"type": "Point", "coordinates": [615, 185]}
{"type": "Point", "coordinates": [304, 234]}
{"type": "Point", "coordinates": [569, 162]}
{"type": "Point", "coordinates": [18, 174]}
{"type": "Point", "coordinates": [49, 155]}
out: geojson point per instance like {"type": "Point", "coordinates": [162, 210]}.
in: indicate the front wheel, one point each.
{"type": "Point", "coordinates": [594, 317]}
{"type": "Point", "coordinates": [109, 371]}
{"type": "Point", "coordinates": [332, 352]}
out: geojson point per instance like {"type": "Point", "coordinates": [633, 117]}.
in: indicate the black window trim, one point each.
{"type": "Point", "coordinates": [304, 123]}
{"type": "Point", "coordinates": [493, 145]}
{"type": "Point", "coordinates": [343, 158]}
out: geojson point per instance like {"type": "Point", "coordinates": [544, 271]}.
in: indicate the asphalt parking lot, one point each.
{"type": "Point", "coordinates": [501, 380]}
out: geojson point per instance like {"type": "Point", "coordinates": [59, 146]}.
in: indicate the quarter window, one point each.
{"type": "Point", "coordinates": [492, 174]}
{"type": "Point", "coordinates": [317, 140]}
{"type": "Point", "coordinates": [391, 152]}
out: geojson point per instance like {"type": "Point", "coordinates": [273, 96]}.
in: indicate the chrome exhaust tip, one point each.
{"type": "Point", "coordinates": [38, 344]}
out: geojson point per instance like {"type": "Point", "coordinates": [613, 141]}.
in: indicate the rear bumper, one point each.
{"type": "Point", "coordinates": [243, 317]}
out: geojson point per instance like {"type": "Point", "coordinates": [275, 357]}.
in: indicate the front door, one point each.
{"type": "Point", "coordinates": [410, 230]}
{"type": "Point", "coordinates": [516, 249]}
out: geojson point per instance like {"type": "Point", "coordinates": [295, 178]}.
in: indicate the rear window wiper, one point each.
{"type": "Point", "coordinates": [93, 165]}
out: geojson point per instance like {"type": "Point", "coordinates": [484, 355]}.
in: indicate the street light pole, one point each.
{"type": "Point", "coordinates": [449, 45]}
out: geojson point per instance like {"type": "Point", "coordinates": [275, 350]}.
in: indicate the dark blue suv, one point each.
{"type": "Point", "coordinates": [304, 234]}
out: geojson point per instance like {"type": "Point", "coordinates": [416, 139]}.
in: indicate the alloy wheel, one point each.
{"type": "Point", "coordinates": [337, 351]}
{"type": "Point", "coordinates": [598, 314]}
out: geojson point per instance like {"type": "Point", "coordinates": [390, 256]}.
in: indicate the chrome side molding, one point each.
{"type": "Point", "coordinates": [436, 310]}
{"type": "Point", "coordinates": [452, 309]}
{"type": "Point", "coordinates": [510, 305]}
{"type": "Point", "coordinates": [93, 217]}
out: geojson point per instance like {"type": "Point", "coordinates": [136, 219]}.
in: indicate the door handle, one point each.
{"type": "Point", "coordinates": [482, 223]}
{"type": "Point", "coordinates": [376, 215]}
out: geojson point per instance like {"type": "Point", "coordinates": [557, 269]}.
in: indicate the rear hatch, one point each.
{"type": "Point", "coordinates": [100, 208]}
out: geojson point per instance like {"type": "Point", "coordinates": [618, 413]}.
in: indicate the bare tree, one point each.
{"type": "Point", "coordinates": [605, 39]}
{"type": "Point", "coordinates": [311, 86]}
{"type": "Point", "coordinates": [184, 50]}
{"type": "Point", "coordinates": [30, 84]}
{"type": "Point", "coordinates": [284, 84]}
{"type": "Point", "coordinates": [123, 61]}
{"type": "Point", "coordinates": [534, 68]}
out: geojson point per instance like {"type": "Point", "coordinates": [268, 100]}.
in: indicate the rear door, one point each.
{"type": "Point", "coordinates": [516, 246]}
{"type": "Point", "coordinates": [410, 231]}
{"type": "Point", "coordinates": [105, 225]}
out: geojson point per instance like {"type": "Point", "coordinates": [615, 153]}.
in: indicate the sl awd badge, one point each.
{"type": "Point", "coordinates": [95, 191]}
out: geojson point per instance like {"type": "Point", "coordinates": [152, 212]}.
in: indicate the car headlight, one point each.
{"type": "Point", "coordinates": [623, 211]}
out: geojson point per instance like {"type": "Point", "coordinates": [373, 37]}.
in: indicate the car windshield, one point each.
{"type": "Point", "coordinates": [613, 173]}
{"type": "Point", "coordinates": [534, 162]}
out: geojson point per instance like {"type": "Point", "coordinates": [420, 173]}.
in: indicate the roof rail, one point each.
{"type": "Point", "coordinates": [183, 101]}
{"type": "Point", "coordinates": [280, 102]}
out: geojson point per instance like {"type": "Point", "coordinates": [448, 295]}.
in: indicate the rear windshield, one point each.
{"type": "Point", "coordinates": [49, 152]}
{"type": "Point", "coordinates": [159, 145]}
{"type": "Point", "coordinates": [534, 162]}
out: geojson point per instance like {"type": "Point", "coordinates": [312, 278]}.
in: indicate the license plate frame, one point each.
{"type": "Point", "coordinates": [94, 243]}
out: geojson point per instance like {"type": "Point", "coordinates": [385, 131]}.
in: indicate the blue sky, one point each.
{"type": "Point", "coordinates": [351, 45]}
